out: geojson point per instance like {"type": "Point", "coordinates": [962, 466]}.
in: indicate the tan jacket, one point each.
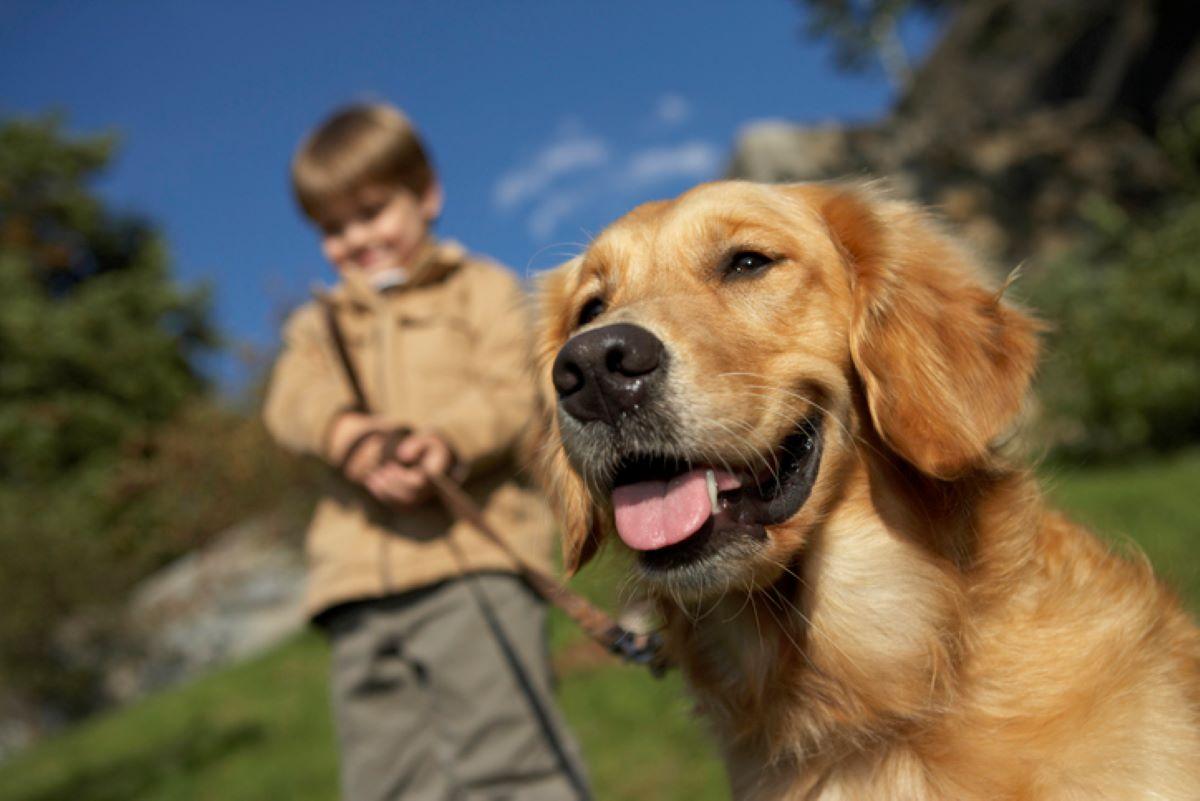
{"type": "Point", "coordinates": [447, 351]}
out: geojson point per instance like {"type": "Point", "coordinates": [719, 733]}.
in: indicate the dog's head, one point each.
{"type": "Point", "coordinates": [714, 363]}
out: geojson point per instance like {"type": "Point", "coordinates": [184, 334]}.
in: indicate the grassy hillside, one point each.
{"type": "Point", "coordinates": [262, 729]}
{"type": "Point", "coordinates": [1154, 507]}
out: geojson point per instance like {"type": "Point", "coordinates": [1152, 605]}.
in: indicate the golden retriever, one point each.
{"type": "Point", "coordinates": [788, 403]}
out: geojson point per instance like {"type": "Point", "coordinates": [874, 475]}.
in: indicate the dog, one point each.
{"type": "Point", "coordinates": [794, 405]}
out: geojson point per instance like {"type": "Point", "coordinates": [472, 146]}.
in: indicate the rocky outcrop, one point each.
{"type": "Point", "coordinates": [233, 599]}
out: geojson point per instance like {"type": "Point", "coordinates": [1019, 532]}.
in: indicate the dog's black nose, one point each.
{"type": "Point", "coordinates": [603, 373]}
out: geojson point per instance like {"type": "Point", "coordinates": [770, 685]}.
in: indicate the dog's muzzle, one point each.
{"type": "Point", "coordinates": [687, 506]}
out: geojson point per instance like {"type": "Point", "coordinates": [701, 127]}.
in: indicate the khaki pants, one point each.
{"type": "Point", "coordinates": [428, 708]}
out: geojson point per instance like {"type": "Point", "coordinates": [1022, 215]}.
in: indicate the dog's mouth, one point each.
{"type": "Point", "coordinates": [673, 511]}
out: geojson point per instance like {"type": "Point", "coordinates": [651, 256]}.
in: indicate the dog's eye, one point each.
{"type": "Point", "coordinates": [590, 311]}
{"type": "Point", "coordinates": [746, 263]}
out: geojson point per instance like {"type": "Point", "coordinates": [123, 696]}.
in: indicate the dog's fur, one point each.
{"type": "Point", "coordinates": [923, 627]}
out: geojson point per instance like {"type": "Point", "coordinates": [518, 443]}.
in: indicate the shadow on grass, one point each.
{"type": "Point", "coordinates": [134, 775]}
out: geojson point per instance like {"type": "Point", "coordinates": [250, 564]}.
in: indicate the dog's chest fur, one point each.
{"type": "Point", "coordinates": [1010, 715]}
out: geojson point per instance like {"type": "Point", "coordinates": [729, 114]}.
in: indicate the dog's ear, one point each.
{"type": "Point", "coordinates": [575, 512]}
{"type": "Point", "coordinates": [944, 361]}
{"type": "Point", "coordinates": [540, 450]}
{"type": "Point", "coordinates": [564, 488]}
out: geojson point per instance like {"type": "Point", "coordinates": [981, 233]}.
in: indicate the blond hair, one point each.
{"type": "Point", "coordinates": [359, 145]}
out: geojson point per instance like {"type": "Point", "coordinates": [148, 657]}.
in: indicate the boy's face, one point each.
{"type": "Point", "coordinates": [377, 228]}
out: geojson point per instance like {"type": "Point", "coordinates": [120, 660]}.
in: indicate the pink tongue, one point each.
{"type": "Point", "coordinates": [655, 514]}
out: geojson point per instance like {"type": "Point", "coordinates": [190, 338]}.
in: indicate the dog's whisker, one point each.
{"type": "Point", "coordinates": [733, 428]}
{"type": "Point", "coordinates": [785, 630]}
{"type": "Point", "coordinates": [738, 447]}
{"type": "Point", "coordinates": [789, 392]}
{"type": "Point", "coordinates": [794, 608]}
{"type": "Point", "coordinates": [761, 453]}
{"type": "Point", "coordinates": [754, 611]}
{"type": "Point", "coordinates": [715, 604]}
{"type": "Point", "coordinates": [699, 614]}
{"type": "Point", "coordinates": [737, 612]}
{"type": "Point", "coordinates": [627, 589]}
{"type": "Point", "coordinates": [570, 251]}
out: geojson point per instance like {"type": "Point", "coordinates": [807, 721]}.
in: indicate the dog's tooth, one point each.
{"type": "Point", "coordinates": [710, 478]}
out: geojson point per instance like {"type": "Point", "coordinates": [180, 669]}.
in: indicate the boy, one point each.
{"type": "Point", "coordinates": [427, 704]}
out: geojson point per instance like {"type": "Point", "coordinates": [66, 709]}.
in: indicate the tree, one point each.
{"type": "Point", "coordinates": [862, 30]}
{"type": "Point", "coordinates": [98, 349]}
{"type": "Point", "coordinates": [98, 342]}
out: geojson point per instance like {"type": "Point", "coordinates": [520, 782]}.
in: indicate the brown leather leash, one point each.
{"type": "Point", "coordinates": [637, 648]}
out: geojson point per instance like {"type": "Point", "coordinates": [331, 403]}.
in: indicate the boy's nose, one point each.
{"type": "Point", "coordinates": [355, 234]}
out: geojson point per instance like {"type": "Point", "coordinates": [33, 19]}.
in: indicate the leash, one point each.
{"type": "Point", "coordinates": [638, 649]}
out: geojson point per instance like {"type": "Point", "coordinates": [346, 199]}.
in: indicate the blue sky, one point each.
{"type": "Point", "coordinates": [547, 120]}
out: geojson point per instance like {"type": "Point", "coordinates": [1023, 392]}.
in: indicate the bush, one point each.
{"type": "Point", "coordinates": [71, 549]}
{"type": "Point", "coordinates": [1122, 376]}
{"type": "Point", "coordinates": [114, 458]}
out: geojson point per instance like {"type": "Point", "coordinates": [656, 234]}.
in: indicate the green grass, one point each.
{"type": "Point", "coordinates": [262, 729]}
{"type": "Point", "coordinates": [1154, 506]}
{"type": "Point", "coordinates": [639, 738]}
{"type": "Point", "coordinates": [638, 735]}
{"type": "Point", "coordinates": [257, 730]}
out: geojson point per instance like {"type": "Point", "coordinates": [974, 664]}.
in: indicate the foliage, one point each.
{"type": "Point", "coordinates": [112, 458]}
{"type": "Point", "coordinates": [71, 549]}
{"type": "Point", "coordinates": [862, 30]}
{"type": "Point", "coordinates": [1123, 371]}
{"type": "Point", "coordinates": [97, 340]}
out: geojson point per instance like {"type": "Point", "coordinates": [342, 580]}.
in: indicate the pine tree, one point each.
{"type": "Point", "coordinates": [98, 347]}
{"type": "Point", "coordinates": [97, 340]}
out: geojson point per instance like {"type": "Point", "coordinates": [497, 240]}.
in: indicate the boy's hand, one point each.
{"type": "Point", "coordinates": [357, 455]}
{"type": "Point", "coordinates": [403, 479]}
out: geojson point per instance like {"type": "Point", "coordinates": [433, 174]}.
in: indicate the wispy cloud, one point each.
{"type": "Point", "coordinates": [551, 210]}
{"type": "Point", "coordinates": [572, 151]}
{"type": "Point", "coordinates": [577, 170]}
{"type": "Point", "coordinates": [672, 109]}
{"type": "Point", "coordinates": [695, 159]}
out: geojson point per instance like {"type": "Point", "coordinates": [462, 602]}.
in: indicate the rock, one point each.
{"type": "Point", "coordinates": [780, 151]}
{"type": "Point", "coordinates": [233, 599]}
